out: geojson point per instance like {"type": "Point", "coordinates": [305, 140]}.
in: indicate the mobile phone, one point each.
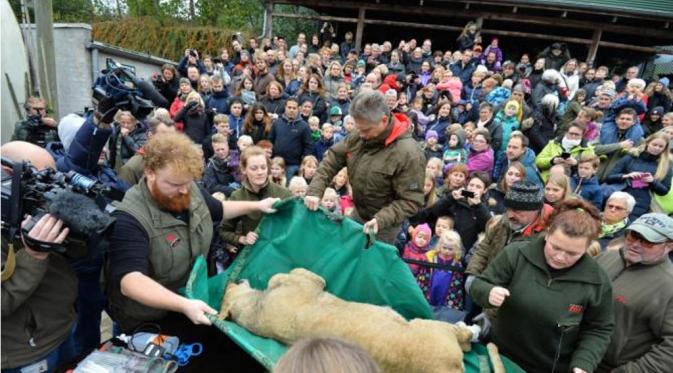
{"type": "Point", "coordinates": [467, 193]}
{"type": "Point", "coordinates": [565, 155]}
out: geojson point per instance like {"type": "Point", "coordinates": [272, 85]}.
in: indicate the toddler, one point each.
{"type": "Point", "coordinates": [330, 201]}
{"type": "Point", "coordinates": [298, 186]}
{"type": "Point", "coordinates": [446, 285]}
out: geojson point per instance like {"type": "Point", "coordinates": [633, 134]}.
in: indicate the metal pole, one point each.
{"type": "Point", "coordinates": [45, 52]}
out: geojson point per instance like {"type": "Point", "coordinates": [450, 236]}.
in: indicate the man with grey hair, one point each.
{"type": "Point", "coordinates": [642, 286]}
{"type": "Point", "coordinates": [385, 167]}
{"type": "Point", "coordinates": [615, 217]}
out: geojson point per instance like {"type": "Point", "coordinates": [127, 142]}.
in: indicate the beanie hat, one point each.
{"type": "Point", "coordinates": [524, 196]}
{"type": "Point", "coordinates": [361, 63]}
{"type": "Point", "coordinates": [185, 81]}
{"type": "Point", "coordinates": [431, 133]}
{"type": "Point", "coordinates": [657, 110]}
{"type": "Point", "coordinates": [664, 81]}
{"type": "Point", "coordinates": [67, 129]}
{"type": "Point", "coordinates": [335, 110]}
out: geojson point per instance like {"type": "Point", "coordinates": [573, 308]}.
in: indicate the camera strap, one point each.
{"type": "Point", "coordinates": [41, 246]}
{"type": "Point", "coordinates": [10, 264]}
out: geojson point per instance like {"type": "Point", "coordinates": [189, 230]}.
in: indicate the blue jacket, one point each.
{"type": "Point", "coordinates": [622, 103]}
{"type": "Point", "coordinates": [463, 72]}
{"type": "Point", "coordinates": [610, 134]}
{"type": "Point", "coordinates": [527, 159]}
{"type": "Point", "coordinates": [643, 163]}
{"type": "Point", "coordinates": [291, 140]}
{"type": "Point", "coordinates": [440, 125]}
{"type": "Point", "coordinates": [236, 128]}
{"type": "Point", "coordinates": [182, 66]}
{"type": "Point", "coordinates": [321, 146]}
{"type": "Point", "coordinates": [218, 101]}
{"type": "Point", "coordinates": [589, 189]}
{"type": "Point", "coordinates": [84, 152]}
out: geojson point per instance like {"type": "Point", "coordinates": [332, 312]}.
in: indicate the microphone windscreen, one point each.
{"type": "Point", "coordinates": [152, 94]}
{"type": "Point", "coordinates": [79, 212]}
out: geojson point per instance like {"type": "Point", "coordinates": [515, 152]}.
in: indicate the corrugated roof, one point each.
{"type": "Point", "coordinates": [661, 8]}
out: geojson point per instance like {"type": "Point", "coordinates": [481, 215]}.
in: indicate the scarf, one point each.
{"type": "Point", "coordinates": [608, 230]}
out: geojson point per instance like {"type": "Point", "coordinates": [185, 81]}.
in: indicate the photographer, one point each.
{"type": "Point", "coordinates": [129, 136]}
{"type": "Point", "coordinates": [37, 128]}
{"type": "Point", "coordinates": [191, 58]}
{"type": "Point", "coordinates": [167, 83]}
{"type": "Point", "coordinates": [38, 288]}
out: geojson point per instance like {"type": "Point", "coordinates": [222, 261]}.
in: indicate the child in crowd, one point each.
{"type": "Point", "coordinates": [443, 224]}
{"type": "Point", "coordinates": [236, 120]}
{"type": "Point", "coordinates": [469, 128]}
{"type": "Point", "coordinates": [446, 285]}
{"type": "Point", "coordinates": [335, 116]}
{"type": "Point", "coordinates": [556, 190]}
{"type": "Point", "coordinates": [221, 124]}
{"type": "Point", "coordinates": [432, 148]}
{"type": "Point", "coordinates": [219, 176]}
{"type": "Point", "coordinates": [298, 186]}
{"type": "Point", "coordinates": [278, 171]}
{"type": "Point", "coordinates": [314, 125]}
{"type": "Point", "coordinates": [247, 94]}
{"type": "Point", "coordinates": [340, 183]}
{"type": "Point", "coordinates": [435, 168]}
{"type": "Point", "coordinates": [416, 250]}
{"type": "Point", "coordinates": [509, 121]}
{"type": "Point", "coordinates": [330, 201]}
{"type": "Point", "coordinates": [326, 141]}
{"type": "Point", "coordinates": [429, 190]}
{"type": "Point", "coordinates": [585, 182]}
{"type": "Point", "coordinates": [455, 152]}
{"type": "Point", "coordinates": [308, 167]}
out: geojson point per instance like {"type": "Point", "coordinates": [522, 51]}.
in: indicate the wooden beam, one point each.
{"type": "Point", "coordinates": [317, 18]}
{"type": "Point", "coordinates": [359, 30]}
{"type": "Point", "coordinates": [595, 41]}
{"type": "Point", "coordinates": [515, 18]}
{"type": "Point", "coordinates": [269, 20]}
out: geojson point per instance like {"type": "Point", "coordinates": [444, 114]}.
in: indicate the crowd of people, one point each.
{"type": "Point", "coordinates": [451, 156]}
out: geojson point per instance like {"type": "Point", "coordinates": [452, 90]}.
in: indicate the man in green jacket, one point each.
{"type": "Point", "coordinates": [642, 285]}
{"type": "Point", "coordinates": [385, 167]}
{"type": "Point", "coordinates": [38, 288]}
{"type": "Point", "coordinates": [37, 128]}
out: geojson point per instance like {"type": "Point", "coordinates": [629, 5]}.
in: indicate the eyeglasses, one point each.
{"type": "Point", "coordinates": [610, 206]}
{"type": "Point", "coordinates": [632, 236]}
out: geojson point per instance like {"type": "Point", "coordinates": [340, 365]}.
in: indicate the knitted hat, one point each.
{"type": "Point", "coordinates": [335, 110]}
{"type": "Point", "coordinates": [664, 81]}
{"type": "Point", "coordinates": [657, 110]}
{"type": "Point", "coordinates": [654, 227]}
{"type": "Point", "coordinates": [524, 196]}
{"type": "Point", "coordinates": [185, 81]}
{"type": "Point", "coordinates": [361, 63]}
{"type": "Point", "coordinates": [431, 133]}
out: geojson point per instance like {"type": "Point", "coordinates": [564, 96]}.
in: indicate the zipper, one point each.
{"type": "Point", "coordinates": [564, 328]}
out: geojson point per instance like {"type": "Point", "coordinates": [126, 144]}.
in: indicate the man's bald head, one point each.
{"type": "Point", "coordinates": [18, 151]}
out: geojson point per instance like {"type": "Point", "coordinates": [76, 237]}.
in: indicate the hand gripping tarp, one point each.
{"type": "Point", "coordinates": [354, 268]}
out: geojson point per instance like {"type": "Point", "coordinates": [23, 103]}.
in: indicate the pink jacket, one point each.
{"type": "Point", "coordinates": [480, 161]}
{"type": "Point", "coordinates": [455, 86]}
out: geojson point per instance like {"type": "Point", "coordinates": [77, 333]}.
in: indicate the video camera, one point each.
{"type": "Point", "coordinates": [82, 204]}
{"type": "Point", "coordinates": [120, 85]}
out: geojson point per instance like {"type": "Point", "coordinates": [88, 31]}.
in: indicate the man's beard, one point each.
{"type": "Point", "coordinates": [178, 203]}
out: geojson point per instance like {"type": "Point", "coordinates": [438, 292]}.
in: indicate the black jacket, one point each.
{"type": "Point", "coordinates": [291, 139]}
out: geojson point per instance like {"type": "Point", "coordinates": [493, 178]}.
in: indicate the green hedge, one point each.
{"type": "Point", "coordinates": [163, 40]}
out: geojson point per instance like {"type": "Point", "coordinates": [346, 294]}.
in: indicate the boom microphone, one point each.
{"type": "Point", "coordinates": [151, 93]}
{"type": "Point", "coordinates": [80, 213]}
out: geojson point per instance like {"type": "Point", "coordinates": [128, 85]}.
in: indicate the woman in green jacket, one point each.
{"type": "Point", "coordinates": [554, 303]}
{"type": "Point", "coordinates": [255, 171]}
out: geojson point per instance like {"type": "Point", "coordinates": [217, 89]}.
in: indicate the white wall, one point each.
{"type": "Point", "coordinates": [14, 63]}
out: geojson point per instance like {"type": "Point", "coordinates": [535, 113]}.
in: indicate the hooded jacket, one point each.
{"type": "Point", "coordinates": [218, 177]}
{"type": "Point", "coordinates": [554, 149]}
{"type": "Point", "coordinates": [218, 102]}
{"type": "Point", "coordinates": [386, 173]}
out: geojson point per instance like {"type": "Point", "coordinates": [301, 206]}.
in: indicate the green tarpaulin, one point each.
{"type": "Point", "coordinates": [337, 250]}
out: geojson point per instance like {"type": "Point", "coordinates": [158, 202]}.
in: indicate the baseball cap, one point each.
{"type": "Point", "coordinates": [654, 227]}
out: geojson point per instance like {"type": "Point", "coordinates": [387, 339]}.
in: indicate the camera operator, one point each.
{"type": "Point", "coordinates": [38, 289]}
{"type": "Point", "coordinates": [191, 58]}
{"type": "Point", "coordinates": [37, 128]}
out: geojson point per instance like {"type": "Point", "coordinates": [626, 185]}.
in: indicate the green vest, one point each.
{"type": "Point", "coordinates": [174, 246]}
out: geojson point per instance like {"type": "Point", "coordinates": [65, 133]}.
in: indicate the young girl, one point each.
{"type": "Point", "coordinates": [515, 172]}
{"type": "Point", "coordinates": [246, 93]}
{"type": "Point", "coordinates": [434, 167]}
{"type": "Point", "coordinates": [278, 171]}
{"type": "Point", "coordinates": [416, 249]}
{"type": "Point", "coordinates": [340, 183]}
{"type": "Point", "coordinates": [308, 167]}
{"type": "Point", "coordinates": [330, 201]}
{"type": "Point", "coordinates": [431, 147]}
{"type": "Point", "coordinates": [446, 285]}
{"type": "Point", "coordinates": [429, 190]}
{"type": "Point", "coordinates": [509, 120]}
{"type": "Point", "coordinates": [645, 172]}
{"type": "Point", "coordinates": [556, 190]}
{"type": "Point", "coordinates": [481, 154]}
{"type": "Point", "coordinates": [298, 186]}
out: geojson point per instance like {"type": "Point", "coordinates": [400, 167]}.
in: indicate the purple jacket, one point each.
{"type": "Point", "coordinates": [482, 161]}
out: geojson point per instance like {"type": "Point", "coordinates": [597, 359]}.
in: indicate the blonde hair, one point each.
{"type": "Point", "coordinates": [280, 162]}
{"type": "Point", "coordinates": [219, 138]}
{"type": "Point", "coordinates": [436, 162]}
{"type": "Point", "coordinates": [195, 96]}
{"type": "Point", "coordinates": [325, 355]}
{"type": "Point", "coordinates": [305, 162]}
{"type": "Point", "coordinates": [664, 163]}
{"type": "Point", "coordinates": [296, 182]}
{"type": "Point", "coordinates": [121, 113]}
{"type": "Point", "coordinates": [173, 150]}
{"type": "Point", "coordinates": [451, 236]}
{"type": "Point", "coordinates": [560, 181]}
{"type": "Point", "coordinates": [314, 120]}
{"type": "Point", "coordinates": [330, 193]}
{"type": "Point", "coordinates": [432, 195]}
{"type": "Point", "coordinates": [220, 118]}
